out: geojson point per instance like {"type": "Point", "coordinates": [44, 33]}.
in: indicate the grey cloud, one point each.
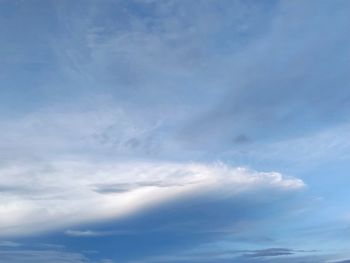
{"type": "Point", "coordinates": [270, 252]}
{"type": "Point", "coordinates": [49, 254]}
{"type": "Point", "coordinates": [126, 187]}
{"type": "Point", "coordinates": [40, 256]}
{"type": "Point", "coordinates": [12, 189]}
{"type": "Point", "coordinates": [229, 256]}
{"type": "Point", "coordinates": [31, 192]}
{"type": "Point", "coordinates": [242, 138]}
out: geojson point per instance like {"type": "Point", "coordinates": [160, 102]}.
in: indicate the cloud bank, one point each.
{"type": "Point", "coordinates": [45, 196]}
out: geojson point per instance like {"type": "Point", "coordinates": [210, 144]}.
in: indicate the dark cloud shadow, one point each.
{"type": "Point", "coordinates": [179, 225]}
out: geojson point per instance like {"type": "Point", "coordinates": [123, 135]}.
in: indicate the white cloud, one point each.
{"type": "Point", "coordinates": [83, 233]}
{"type": "Point", "coordinates": [88, 233]}
{"type": "Point", "coordinates": [39, 197]}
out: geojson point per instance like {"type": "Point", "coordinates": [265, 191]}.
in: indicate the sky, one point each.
{"type": "Point", "coordinates": [174, 131]}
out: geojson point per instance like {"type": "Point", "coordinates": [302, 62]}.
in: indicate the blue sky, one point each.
{"type": "Point", "coordinates": [144, 131]}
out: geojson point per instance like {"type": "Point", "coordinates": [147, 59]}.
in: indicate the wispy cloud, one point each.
{"type": "Point", "coordinates": [41, 256]}
{"type": "Point", "coordinates": [270, 252]}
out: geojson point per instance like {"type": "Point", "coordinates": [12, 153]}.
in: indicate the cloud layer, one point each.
{"type": "Point", "coordinates": [45, 196]}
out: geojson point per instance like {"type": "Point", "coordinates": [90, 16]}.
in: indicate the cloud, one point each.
{"type": "Point", "coordinates": [275, 255]}
{"type": "Point", "coordinates": [208, 77]}
{"type": "Point", "coordinates": [93, 233]}
{"type": "Point", "coordinates": [31, 256]}
{"type": "Point", "coordinates": [157, 65]}
{"type": "Point", "coordinates": [125, 187]}
{"type": "Point", "coordinates": [107, 103]}
{"type": "Point", "coordinates": [281, 82]}
{"type": "Point", "coordinates": [189, 78]}
{"type": "Point", "coordinates": [61, 193]}
{"type": "Point", "coordinates": [270, 252]}
{"type": "Point", "coordinates": [215, 74]}
{"type": "Point", "coordinates": [85, 233]}
{"type": "Point", "coordinates": [43, 256]}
